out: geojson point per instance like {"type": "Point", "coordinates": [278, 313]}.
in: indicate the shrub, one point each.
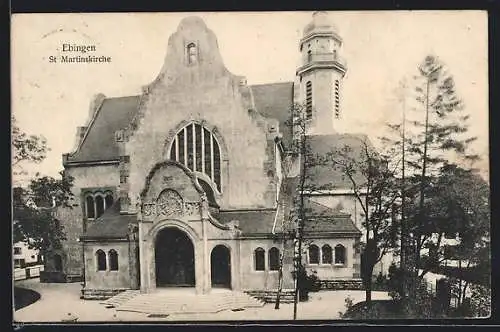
{"type": "Point", "coordinates": [480, 301]}
{"type": "Point", "coordinates": [307, 283]}
{"type": "Point", "coordinates": [395, 282]}
{"type": "Point", "coordinates": [380, 283]}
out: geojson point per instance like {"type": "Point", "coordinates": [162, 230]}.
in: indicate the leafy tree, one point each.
{"type": "Point", "coordinates": [375, 187]}
{"type": "Point", "coordinates": [464, 205]}
{"type": "Point", "coordinates": [26, 149]}
{"type": "Point", "coordinates": [481, 300]}
{"type": "Point", "coordinates": [433, 133]}
{"type": "Point", "coordinates": [36, 210]}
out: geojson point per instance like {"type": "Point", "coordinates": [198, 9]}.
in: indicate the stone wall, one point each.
{"type": "Point", "coordinates": [341, 284]}
{"type": "Point", "coordinates": [264, 280]}
{"type": "Point", "coordinates": [95, 279]}
{"type": "Point", "coordinates": [73, 219]}
{"type": "Point", "coordinates": [333, 271]}
{"type": "Point", "coordinates": [269, 296]}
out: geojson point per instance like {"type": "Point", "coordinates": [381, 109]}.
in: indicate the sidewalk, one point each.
{"type": "Point", "coordinates": [57, 300]}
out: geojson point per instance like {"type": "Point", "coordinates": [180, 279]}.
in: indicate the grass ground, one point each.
{"type": "Point", "coordinates": [24, 297]}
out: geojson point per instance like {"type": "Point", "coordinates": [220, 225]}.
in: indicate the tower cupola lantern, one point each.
{"type": "Point", "coordinates": [321, 73]}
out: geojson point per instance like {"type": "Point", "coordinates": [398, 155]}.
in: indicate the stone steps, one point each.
{"type": "Point", "coordinates": [165, 303]}
{"type": "Point", "coordinates": [121, 298]}
{"type": "Point", "coordinates": [101, 294]}
{"type": "Point", "coordinates": [269, 296]}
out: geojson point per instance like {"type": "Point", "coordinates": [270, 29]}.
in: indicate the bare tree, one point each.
{"type": "Point", "coordinates": [375, 187]}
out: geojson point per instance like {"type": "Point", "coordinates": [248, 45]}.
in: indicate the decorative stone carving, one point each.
{"type": "Point", "coordinates": [149, 209]}
{"type": "Point", "coordinates": [192, 209]}
{"type": "Point", "coordinates": [169, 204]}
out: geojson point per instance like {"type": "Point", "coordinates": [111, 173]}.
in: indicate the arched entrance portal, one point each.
{"type": "Point", "coordinates": [174, 259]}
{"type": "Point", "coordinates": [220, 262]}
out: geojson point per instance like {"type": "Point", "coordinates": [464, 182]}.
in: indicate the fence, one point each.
{"type": "Point", "coordinates": [28, 272]}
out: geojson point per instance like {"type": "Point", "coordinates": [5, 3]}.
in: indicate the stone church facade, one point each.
{"type": "Point", "coordinates": [184, 185]}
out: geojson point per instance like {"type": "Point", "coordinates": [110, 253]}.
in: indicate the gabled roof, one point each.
{"type": "Point", "coordinates": [111, 225]}
{"type": "Point", "coordinates": [99, 142]}
{"type": "Point", "coordinates": [274, 101]}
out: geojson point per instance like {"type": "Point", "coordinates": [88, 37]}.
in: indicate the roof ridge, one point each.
{"type": "Point", "coordinates": [274, 83]}
{"type": "Point", "coordinates": [91, 123]}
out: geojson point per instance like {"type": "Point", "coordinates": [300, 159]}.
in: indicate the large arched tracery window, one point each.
{"type": "Point", "coordinates": [198, 149]}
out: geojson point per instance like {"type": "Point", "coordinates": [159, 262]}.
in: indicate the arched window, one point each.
{"type": "Point", "coordinates": [309, 56]}
{"type": "Point", "coordinates": [99, 206]}
{"type": "Point", "coordinates": [259, 258]}
{"type": "Point", "coordinates": [89, 201]}
{"type": "Point", "coordinates": [339, 254]}
{"type": "Point", "coordinates": [313, 254]}
{"type": "Point", "coordinates": [101, 260]}
{"type": "Point", "coordinates": [192, 53]}
{"type": "Point", "coordinates": [274, 259]}
{"type": "Point", "coordinates": [57, 262]}
{"type": "Point", "coordinates": [96, 203]}
{"type": "Point", "coordinates": [326, 254]}
{"type": "Point", "coordinates": [337, 99]}
{"type": "Point", "coordinates": [113, 260]}
{"type": "Point", "coordinates": [108, 201]}
{"type": "Point", "coordinates": [309, 103]}
{"type": "Point", "coordinates": [197, 148]}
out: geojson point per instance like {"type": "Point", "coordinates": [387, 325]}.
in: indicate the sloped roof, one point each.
{"type": "Point", "coordinates": [111, 225]}
{"type": "Point", "coordinates": [328, 177]}
{"type": "Point", "coordinates": [274, 101]}
{"type": "Point", "coordinates": [99, 143]}
{"type": "Point", "coordinates": [250, 222]}
{"type": "Point", "coordinates": [271, 100]}
{"type": "Point", "coordinates": [323, 219]}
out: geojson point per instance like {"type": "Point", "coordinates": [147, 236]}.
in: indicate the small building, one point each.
{"type": "Point", "coordinates": [22, 254]}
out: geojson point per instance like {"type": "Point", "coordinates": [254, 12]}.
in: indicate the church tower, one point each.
{"type": "Point", "coordinates": [320, 75]}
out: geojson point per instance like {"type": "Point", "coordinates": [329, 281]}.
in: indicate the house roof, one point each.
{"type": "Point", "coordinates": [250, 222]}
{"type": "Point", "coordinates": [274, 101]}
{"type": "Point", "coordinates": [323, 219]}
{"type": "Point", "coordinates": [271, 101]}
{"type": "Point", "coordinates": [99, 142]}
{"type": "Point", "coordinates": [111, 225]}
{"type": "Point", "coordinates": [325, 176]}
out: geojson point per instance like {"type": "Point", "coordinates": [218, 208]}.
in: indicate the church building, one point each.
{"type": "Point", "coordinates": [185, 184]}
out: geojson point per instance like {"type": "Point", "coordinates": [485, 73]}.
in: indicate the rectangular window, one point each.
{"type": "Point", "coordinates": [208, 153]}
{"type": "Point", "coordinates": [180, 138]}
{"type": "Point", "coordinates": [199, 157]}
{"type": "Point", "coordinates": [190, 152]}
{"type": "Point", "coordinates": [17, 251]}
{"type": "Point", "coordinates": [217, 174]}
{"type": "Point", "coordinates": [337, 99]}
{"type": "Point", "coordinates": [309, 100]}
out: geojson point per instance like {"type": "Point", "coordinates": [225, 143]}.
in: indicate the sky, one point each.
{"type": "Point", "coordinates": [380, 48]}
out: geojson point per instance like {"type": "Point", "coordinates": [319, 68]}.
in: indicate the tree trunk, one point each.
{"type": "Point", "coordinates": [368, 286]}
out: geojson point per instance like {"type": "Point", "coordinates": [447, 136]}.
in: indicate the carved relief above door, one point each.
{"type": "Point", "coordinates": [169, 204]}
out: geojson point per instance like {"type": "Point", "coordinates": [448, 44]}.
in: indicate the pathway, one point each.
{"type": "Point", "coordinates": [59, 300]}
